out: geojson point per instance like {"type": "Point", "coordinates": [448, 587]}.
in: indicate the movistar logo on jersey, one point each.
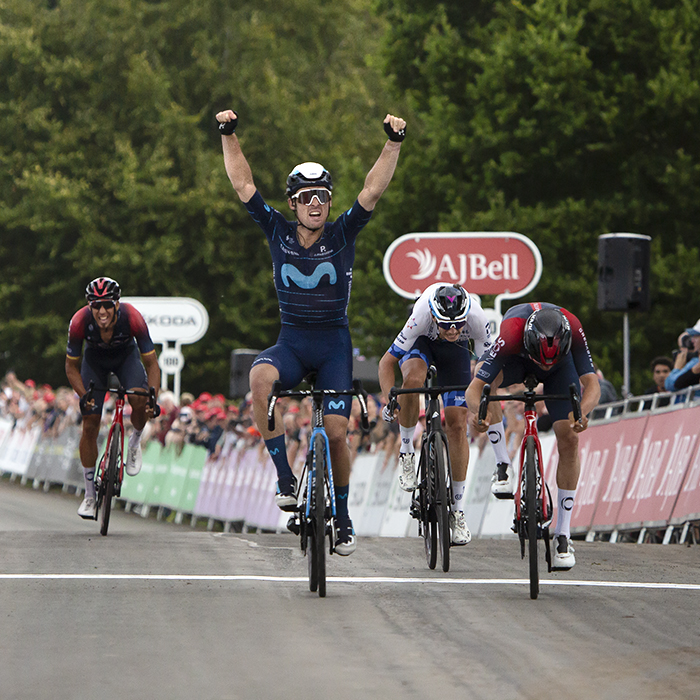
{"type": "Point", "coordinates": [290, 273]}
{"type": "Point", "coordinates": [336, 404]}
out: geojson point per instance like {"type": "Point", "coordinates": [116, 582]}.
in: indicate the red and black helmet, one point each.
{"type": "Point", "coordinates": [547, 336]}
{"type": "Point", "coordinates": [103, 289]}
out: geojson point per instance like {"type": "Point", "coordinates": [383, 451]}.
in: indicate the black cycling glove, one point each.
{"type": "Point", "coordinates": [228, 128]}
{"type": "Point", "coordinates": [394, 135]}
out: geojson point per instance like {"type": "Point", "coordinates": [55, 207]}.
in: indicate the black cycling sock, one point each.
{"type": "Point", "coordinates": [278, 451]}
{"type": "Point", "coordinates": [341, 503]}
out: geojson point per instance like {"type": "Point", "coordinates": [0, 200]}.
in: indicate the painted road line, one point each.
{"type": "Point", "coordinates": [350, 580]}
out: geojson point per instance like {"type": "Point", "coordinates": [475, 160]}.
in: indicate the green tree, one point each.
{"type": "Point", "coordinates": [562, 120]}
{"type": "Point", "coordinates": [110, 163]}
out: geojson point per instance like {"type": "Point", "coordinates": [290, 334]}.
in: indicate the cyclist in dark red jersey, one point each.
{"type": "Point", "coordinates": [547, 341]}
{"type": "Point", "coordinates": [117, 340]}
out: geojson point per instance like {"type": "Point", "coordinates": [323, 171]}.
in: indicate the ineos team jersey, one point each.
{"type": "Point", "coordinates": [313, 284]}
{"type": "Point", "coordinates": [130, 328]}
{"type": "Point", "coordinates": [510, 341]}
{"type": "Point", "coordinates": [422, 323]}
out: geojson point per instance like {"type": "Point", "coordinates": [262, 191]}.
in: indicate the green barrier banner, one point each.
{"type": "Point", "coordinates": [139, 488]}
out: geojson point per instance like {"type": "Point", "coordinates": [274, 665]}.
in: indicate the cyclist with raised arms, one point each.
{"type": "Point", "coordinates": [312, 265]}
{"type": "Point", "coordinates": [547, 341]}
{"type": "Point", "coordinates": [443, 320]}
{"type": "Point", "coordinates": [114, 334]}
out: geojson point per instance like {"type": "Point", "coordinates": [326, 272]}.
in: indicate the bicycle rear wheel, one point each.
{"type": "Point", "coordinates": [319, 513]}
{"type": "Point", "coordinates": [109, 479]}
{"type": "Point", "coordinates": [440, 462]}
{"type": "Point", "coordinates": [427, 512]}
{"type": "Point", "coordinates": [531, 471]}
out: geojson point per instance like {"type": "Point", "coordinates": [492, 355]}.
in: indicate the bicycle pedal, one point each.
{"type": "Point", "coordinates": [293, 525]}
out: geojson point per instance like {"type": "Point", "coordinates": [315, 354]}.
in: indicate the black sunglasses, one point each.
{"type": "Point", "coordinates": [102, 304]}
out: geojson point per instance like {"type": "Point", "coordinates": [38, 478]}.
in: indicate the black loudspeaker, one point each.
{"type": "Point", "coordinates": [623, 272]}
{"type": "Point", "coordinates": [241, 361]}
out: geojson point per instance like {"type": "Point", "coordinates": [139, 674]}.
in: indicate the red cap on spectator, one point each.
{"type": "Point", "coordinates": [252, 430]}
{"type": "Point", "coordinates": [233, 409]}
{"type": "Point", "coordinates": [204, 396]}
{"type": "Point", "coordinates": [30, 383]}
{"type": "Point", "coordinates": [219, 397]}
{"type": "Point", "coordinates": [49, 397]}
{"type": "Point", "coordinates": [46, 387]}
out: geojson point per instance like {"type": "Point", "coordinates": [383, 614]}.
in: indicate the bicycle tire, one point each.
{"type": "Point", "coordinates": [319, 513]}
{"type": "Point", "coordinates": [109, 479]}
{"type": "Point", "coordinates": [427, 513]}
{"type": "Point", "coordinates": [531, 470]}
{"type": "Point", "coordinates": [442, 506]}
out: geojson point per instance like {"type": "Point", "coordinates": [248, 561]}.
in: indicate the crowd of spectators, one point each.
{"type": "Point", "coordinates": [216, 424]}
{"type": "Point", "coordinates": [28, 405]}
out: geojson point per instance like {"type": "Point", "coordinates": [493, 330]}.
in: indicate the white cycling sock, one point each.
{"type": "Point", "coordinates": [407, 440]}
{"type": "Point", "coordinates": [135, 437]}
{"type": "Point", "coordinates": [497, 436]}
{"type": "Point", "coordinates": [565, 504]}
{"type": "Point", "coordinates": [89, 476]}
{"type": "Point", "coordinates": [458, 489]}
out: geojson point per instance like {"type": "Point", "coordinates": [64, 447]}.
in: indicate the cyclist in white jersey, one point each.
{"type": "Point", "coordinates": [443, 320]}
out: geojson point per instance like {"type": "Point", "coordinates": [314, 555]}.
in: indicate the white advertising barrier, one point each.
{"type": "Point", "coordinates": [16, 450]}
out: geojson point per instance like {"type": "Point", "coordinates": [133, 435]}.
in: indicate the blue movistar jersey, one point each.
{"type": "Point", "coordinates": [313, 284]}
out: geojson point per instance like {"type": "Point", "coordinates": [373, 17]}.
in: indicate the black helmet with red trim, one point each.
{"type": "Point", "coordinates": [103, 289]}
{"type": "Point", "coordinates": [547, 336]}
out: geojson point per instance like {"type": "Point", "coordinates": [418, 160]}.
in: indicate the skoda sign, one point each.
{"type": "Point", "coordinates": [505, 264]}
{"type": "Point", "coordinates": [178, 320]}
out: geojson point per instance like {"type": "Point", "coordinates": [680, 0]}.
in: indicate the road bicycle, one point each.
{"type": "Point", "coordinates": [533, 500]}
{"type": "Point", "coordinates": [110, 472]}
{"type": "Point", "coordinates": [315, 517]}
{"type": "Point", "coordinates": [431, 501]}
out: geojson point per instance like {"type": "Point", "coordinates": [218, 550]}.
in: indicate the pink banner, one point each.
{"type": "Point", "coordinates": [662, 461]}
{"type": "Point", "coordinates": [688, 504]}
{"type": "Point", "coordinates": [622, 442]}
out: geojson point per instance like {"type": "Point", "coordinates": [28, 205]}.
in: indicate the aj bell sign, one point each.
{"type": "Point", "coordinates": [179, 320]}
{"type": "Point", "coordinates": [506, 264]}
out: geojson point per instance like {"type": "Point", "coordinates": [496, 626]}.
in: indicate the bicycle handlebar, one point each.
{"type": "Point", "coordinates": [317, 394]}
{"type": "Point", "coordinates": [530, 398]}
{"type": "Point", "coordinates": [150, 394]}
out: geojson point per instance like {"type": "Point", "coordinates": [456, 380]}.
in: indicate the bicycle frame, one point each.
{"type": "Point", "coordinates": [313, 520]}
{"type": "Point", "coordinates": [531, 431]}
{"type": "Point", "coordinates": [319, 430]}
{"type": "Point", "coordinates": [117, 419]}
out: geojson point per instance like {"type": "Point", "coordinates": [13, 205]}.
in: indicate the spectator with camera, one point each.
{"type": "Point", "coordinates": [686, 366]}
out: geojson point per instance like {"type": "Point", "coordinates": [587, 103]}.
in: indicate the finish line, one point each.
{"type": "Point", "coordinates": [346, 579]}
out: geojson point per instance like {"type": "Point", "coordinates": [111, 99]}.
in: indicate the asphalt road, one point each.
{"type": "Point", "coordinates": [156, 610]}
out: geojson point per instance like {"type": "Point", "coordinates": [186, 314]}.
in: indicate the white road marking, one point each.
{"type": "Point", "coordinates": [351, 579]}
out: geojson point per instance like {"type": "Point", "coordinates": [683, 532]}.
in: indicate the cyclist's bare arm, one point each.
{"type": "Point", "coordinates": [73, 375]}
{"type": "Point", "coordinates": [589, 400]}
{"type": "Point", "coordinates": [237, 168]}
{"type": "Point", "coordinates": [387, 374]}
{"type": "Point", "coordinates": [150, 363]}
{"type": "Point", "coordinates": [473, 396]}
{"type": "Point", "coordinates": [379, 177]}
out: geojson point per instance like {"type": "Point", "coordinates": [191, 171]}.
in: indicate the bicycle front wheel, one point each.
{"type": "Point", "coordinates": [109, 479]}
{"type": "Point", "coordinates": [531, 470]}
{"type": "Point", "coordinates": [440, 461]}
{"type": "Point", "coordinates": [319, 513]}
{"type": "Point", "coordinates": [427, 511]}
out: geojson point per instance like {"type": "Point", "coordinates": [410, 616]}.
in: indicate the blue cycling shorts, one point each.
{"type": "Point", "coordinates": [126, 364]}
{"type": "Point", "coordinates": [328, 352]}
{"type": "Point", "coordinates": [555, 381]}
{"type": "Point", "coordinates": [452, 362]}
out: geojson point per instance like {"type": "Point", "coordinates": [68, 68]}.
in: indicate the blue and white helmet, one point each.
{"type": "Point", "coordinates": [450, 303]}
{"type": "Point", "coordinates": [308, 175]}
